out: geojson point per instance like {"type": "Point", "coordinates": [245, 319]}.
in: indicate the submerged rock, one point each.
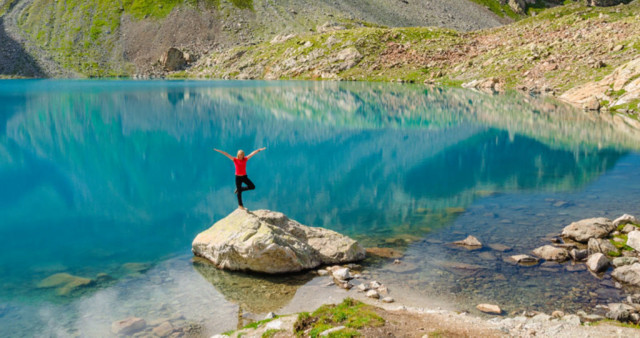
{"type": "Point", "coordinates": [523, 259]}
{"type": "Point", "coordinates": [65, 283]}
{"type": "Point", "coordinates": [128, 326]}
{"type": "Point", "coordinates": [384, 252]}
{"type": "Point", "coordinates": [579, 254]}
{"type": "Point", "coordinates": [597, 262]}
{"type": "Point", "coordinates": [551, 253]}
{"type": "Point", "coordinates": [584, 229]}
{"type": "Point", "coordinates": [269, 242]}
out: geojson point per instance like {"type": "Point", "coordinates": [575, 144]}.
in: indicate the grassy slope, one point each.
{"type": "Point", "coordinates": [555, 49]}
{"type": "Point", "coordinates": [83, 35]}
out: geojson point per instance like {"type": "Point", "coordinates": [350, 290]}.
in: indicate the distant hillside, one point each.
{"type": "Point", "coordinates": [559, 49]}
{"type": "Point", "coordinates": [127, 37]}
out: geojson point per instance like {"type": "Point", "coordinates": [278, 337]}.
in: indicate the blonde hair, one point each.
{"type": "Point", "coordinates": [239, 152]}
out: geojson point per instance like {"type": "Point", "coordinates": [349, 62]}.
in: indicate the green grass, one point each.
{"type": "Point", "coordinates": [255, 325]}
{"type": "Point", "coordinates": [350, 313]}
{"type": "Point", "coordinates": [499, 9]}
{"type": "Point", "coordinates": [614, 253]}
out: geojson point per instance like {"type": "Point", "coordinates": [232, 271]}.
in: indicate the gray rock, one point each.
{"type": "Point", "coordinates": [600, 245]}
{"type": "Point", "coordinates": [128, 326]}
{"type": "Point", "coordinates": [470, 241]}
{"type": "Point", "coordinates": [629, 274]}
{"type": "Point", "coordinates": [342, 274]}
{"type": "Point", "coordinates": [633, 240]}
{"type": "Point", "coordinates": [571, 319]}
{"type": "Point", "coordinates": [388, 300]}
{"type": "Point", "coordinates": [579, 254]}
{"type": "Point", "coordinates": [619, 311]}
{"type": "Point", "coordinates": [625, 219]}
{"type": "Point", "coordinates": [163, 330]}
{"type": "Point", "coordinates": [372, 294]}
{"type": "Point", "coordinates": [551, 253]}
{"type": "Point", "coordinates": [584, 229]}
{"type": "Point", "coordinates": [269, 242]}
{"type": "Point", "coordinates": [322, 272]}
{"type": "Point", "coordinates": [628, 228]}
{"type": "Point", "coordinates": [173, 59]}
{"type": "Point", "coordinates": [270, 315]}
{"type": "Point", "coordinates": [489, 308]}
{"type": "Point", "coordinates": [622, 261]}
{"type": "Point", "coordinates": [597, 262]}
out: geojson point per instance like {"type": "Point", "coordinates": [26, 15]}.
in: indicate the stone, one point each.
{"type": "Point", "coordinates": [274, 325]}
{"type": "Point", "coordinates": [625, 219]}
{"type": "Point", "coordinates": [622, 261]}
{"type": "Point", "coordinates": [600, 245]}
{"type": "Point", "coordinates": [383, 290]}
{"type": "Point", "coordinates": [327, 332]}
{"type": "Point", "coordinates": [489, 308]}
{"type": "Point", "coordinates": [619, 311]}
{"type": "Point", "coordinates": [572, 319]}
{"type": "Point", "coordinates": [557, 314]}
{"type": "Point", "coordinates": [65, 283]}
{"type": "Point", "coordinates": [269, 242]}
{"type": "Point", "coordinates": [633, 240]}
{"type": "Point", "coordinates": [629, 274]}
{"type": "Point", "coordinates": [597, 262]}
{"type": "Point", "coordinates": [362, 287]}
{"type": "Point", "coordinates": [551, 253]}
{"type": "Point", "coordinates": [128, 326]}
{"type": "Point", "coordinates": [524, 259]}
{"type": "Point", "coordinates": [342, 274]}
{"type": "Point", "coordinates": [388, 300]}
{"type": "Point", "coordinates": [374, 284]}
{"type": "Point", "coordinates": [384, 252]}
{"type": "Point", "coordinates": [372, 294]}
{"type": "Point", "coordinates": [163, 330]}
{"type": "Point", "coordinates": [579, 254]}
{"type": "Point", "coordinates": [270, 315]}
{"type": "Point", "coordinates": [500, 247]}
{"type": "Point", "coordinates": [470, 241]}
{"type": "Point", "coordinates": [585, 229]}
{"type": "Point", "coordinates": [173, 60]}
{"type": "Point", "coordinates": [322, 272]}
{"type": "Point", "coordinates": [628, 228]}
{"type": "Point", "coordinates": [575, 267]}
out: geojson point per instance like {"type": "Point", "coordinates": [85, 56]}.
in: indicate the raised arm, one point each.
{"type": "Point", "coordinates": [255, 152]}
{"type": "Point", "coordinates": [223, 153]}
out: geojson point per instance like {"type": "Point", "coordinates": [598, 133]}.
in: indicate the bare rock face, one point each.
{"type": "Point", "coordinates": [584, 229]}
{"type": "Point", "coordinates": [551, 253]}
{"type": "Point", "coordinates": [269, 242]}
{"type": "Point", "coordinates": [174, 59]}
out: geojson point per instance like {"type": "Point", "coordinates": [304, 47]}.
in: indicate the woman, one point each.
{"type": "Point", "coordinates": [240, 161]}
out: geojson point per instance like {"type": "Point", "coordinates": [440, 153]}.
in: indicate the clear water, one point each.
{"type": "Point", "coordinates": [98, 174]}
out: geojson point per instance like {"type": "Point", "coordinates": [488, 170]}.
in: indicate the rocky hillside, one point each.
{"type": "Point", "coordinates": [559, 49]}
{"type": "Point", "coordinates": [128, 37]}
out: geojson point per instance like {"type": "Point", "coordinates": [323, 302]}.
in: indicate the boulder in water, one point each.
{"type": "Point", "coordinates": [551, 253]}
{"type": "Point", "coordinates": [582, 230]}
{"type": "Point", "coordinates": [269, 242]}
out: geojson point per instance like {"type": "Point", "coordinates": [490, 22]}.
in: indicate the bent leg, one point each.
{"type": "Point", "coordinates": [250, 185]}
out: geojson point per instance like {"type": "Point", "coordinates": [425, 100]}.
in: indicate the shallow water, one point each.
{"type": "Point", "coordinates": [98, 174]}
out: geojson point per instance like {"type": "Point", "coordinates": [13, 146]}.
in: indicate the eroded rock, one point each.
{"type": "Point", "coordinates": [551, 253]}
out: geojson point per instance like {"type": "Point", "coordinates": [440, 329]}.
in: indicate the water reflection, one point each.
{"type": "Point", "coordinates": [98, 174]}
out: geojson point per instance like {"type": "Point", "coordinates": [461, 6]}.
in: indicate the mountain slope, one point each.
{"type": "Point", "coordinates": [127, 37]}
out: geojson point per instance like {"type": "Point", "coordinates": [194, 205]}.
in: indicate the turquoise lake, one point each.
{"type": "Point", "coordinates": [112, 180]}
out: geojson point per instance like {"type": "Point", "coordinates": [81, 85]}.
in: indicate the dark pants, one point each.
{"type": "Point", "coordinates": [243, 179]}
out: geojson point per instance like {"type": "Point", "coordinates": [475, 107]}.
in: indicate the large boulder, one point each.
{"type": "Point", "coordinates": [173, 59]}
{"type": "Point", "coordinates": [625, 219]}
{"type": "Point", "coordinates": [629, 274]}
{"type": "Point", "coordinates": [551, 253]}
{"type": "Point", "coordinates": [597, 262]}
{"type": "Point", "coordinates": [269, 242]}
{"type": "Point", "coordinates": [584, 229]}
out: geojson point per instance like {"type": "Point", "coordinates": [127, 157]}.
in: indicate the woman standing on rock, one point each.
{"type": "Point", "coordinates": [240, 161]}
